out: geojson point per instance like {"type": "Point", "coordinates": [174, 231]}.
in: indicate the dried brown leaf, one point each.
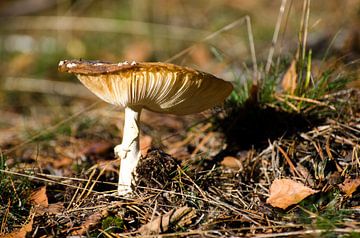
{"type": "Point", "coordinates": [21, 232]}
{"type": "Point", "coordinates": [39, 197]}
{"type": "Point", "coordinates": [349, 186]}
{"type": "Point", "coordinates": [286, 192]}
{"type": "Point", "coordinates": [289, 81]}
{"type": "Point", "coordinates": [179, 217]}
{"type": "Point", "coordinates": [52, 209]}
{"type": "Point", "coordinates": [97, 147]}
{"type": "Point", "coordinates": [62, 162]}
{"type": "Point", "coordinates": [91, 221]}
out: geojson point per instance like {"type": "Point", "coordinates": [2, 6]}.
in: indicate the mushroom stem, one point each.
{"type": "Point", "coordinates": [128, 151]}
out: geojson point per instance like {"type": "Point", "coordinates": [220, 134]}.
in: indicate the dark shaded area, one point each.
{"type": "Point", "coordinates": [253, 126]}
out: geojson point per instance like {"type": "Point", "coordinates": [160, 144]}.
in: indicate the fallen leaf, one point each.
{"type": "Point", "coordinates": [286, 192]}
{"type": "Point", "coordinates": [21, 232]}
{"type": "Point", "coordinates": [179, 217]}
{"type": "Point", "coordinates": [39, 198]}
{"type": "Point", "coordinates": [52, 209]}
{"type": "Point", "coordinates": [289, 81]}
{"type": "Point", "coordinates": [232, 163]}
{"type": "Point", "coordinates": [349, 186]}
{"type": "Point", "coordinates": [62, 162]}
{"type": "Point", "coordinates": [97, 147]}
{"type": "Point", "coordinates": [91, 221]}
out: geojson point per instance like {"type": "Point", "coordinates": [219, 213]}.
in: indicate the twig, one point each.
{"type": "Point", "coordinates": [275, 36]}
{"type": "Point", "coordinates": [309, 100]}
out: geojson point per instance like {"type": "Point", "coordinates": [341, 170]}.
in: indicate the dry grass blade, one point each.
{"type": "Point", "coordinates": [275, 35]}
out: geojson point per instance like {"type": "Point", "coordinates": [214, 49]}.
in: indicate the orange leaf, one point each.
{"type": "Point", "coordinates": [91, 221]}
{"type": "Point", "coordinates": [286, 192]}
{"type": "Point", "coordinates": [38, 197]}
{"type": "Point", "coordinates": [62, 162]}
{"type": "Point", "coordinates": [289, 81]}
{"type": "Point", "coordinates": [97, 147]}
{"type": "Point", "coordinates": [349, 186]}
{"type": "Point", "coordinates": [21, 232]}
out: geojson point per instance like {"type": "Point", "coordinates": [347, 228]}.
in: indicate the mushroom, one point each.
{"type": "Point", "coordinates": [158, 87]}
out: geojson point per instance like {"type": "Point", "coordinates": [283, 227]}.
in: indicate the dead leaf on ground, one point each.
{"type": "Point", "coordinates": [286, 192]}
{"type": "Point", "coordinates": [232, 163]}
{"type": "Point", "coordinates": [97, 147]}
{"type": "Point", "coordinates": [52, 209]}
{"type": "Point", "coordinates": [21, 232]}
{"type": "Point", "coordinates": [349, 186]}
{"type": "Point", "coordinates": [62, 162]}
{"type": "Point", "coordinates": [289, 81]}
{"type": "Point", "coordinates": [179, 217]}
{"type": "Point", "coordinates": [90, 222]}
{"type": "Point", "coordinates": [39, 197]}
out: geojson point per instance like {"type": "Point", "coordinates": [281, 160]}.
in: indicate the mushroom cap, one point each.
{"type": "Point", "coordinates": [158, 87]}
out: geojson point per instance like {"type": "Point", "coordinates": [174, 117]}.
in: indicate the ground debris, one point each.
{"type": "Point", "coordinates": [179, 217]}
{"type": "Point", "coordinates": [227, 189]}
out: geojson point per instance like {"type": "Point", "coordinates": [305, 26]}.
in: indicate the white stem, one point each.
{"type": "Point", "coordinates": [128, 151]}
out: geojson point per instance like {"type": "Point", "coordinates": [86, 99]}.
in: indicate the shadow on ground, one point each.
{"type": "Point", "coordinates": [252, 126]}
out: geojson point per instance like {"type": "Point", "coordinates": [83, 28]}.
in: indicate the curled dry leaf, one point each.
{"type": "Point", "coordinates": [179, 217]}
{"type": "Point", "coordinates": [91, 221]}
{"type": "Point", "coordinates": [39, 198]}
{"type": "Point", "coordinates": [289, 81]}
{"type": "Point", "coordinates": [42, 206]}
{"type": "Point", "coordinates": [349, 186]}
{"type": "Point", "coordinates": [286, 192]}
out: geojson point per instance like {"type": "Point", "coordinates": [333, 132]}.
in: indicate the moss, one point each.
{"type": "Point", "coordinates": [113, 223]}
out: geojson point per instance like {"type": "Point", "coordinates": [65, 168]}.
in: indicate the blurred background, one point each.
{"type": "Point", "coordinates": [210, 35]}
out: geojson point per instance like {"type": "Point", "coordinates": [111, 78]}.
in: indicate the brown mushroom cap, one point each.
{"type": "Point", "coordinates": [159, 87]}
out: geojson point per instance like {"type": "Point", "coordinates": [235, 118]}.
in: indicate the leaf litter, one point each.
{"type": "Point", "coordinates": [221, 199]}
{"type": "Point", "coordinates": [226, 189]}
